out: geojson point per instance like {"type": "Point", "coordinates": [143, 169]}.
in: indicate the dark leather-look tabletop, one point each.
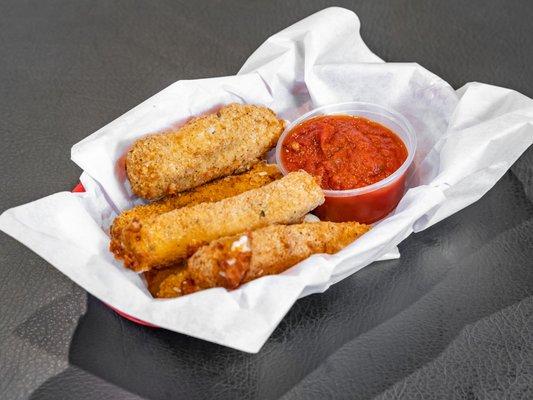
{"type": "Point", "coordinates": [452, 319]}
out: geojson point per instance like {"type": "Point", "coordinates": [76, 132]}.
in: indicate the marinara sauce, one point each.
{"type": "Point", "coordinates": [342, 151]}
{"type": "Point", "coordinates": [345, 152]}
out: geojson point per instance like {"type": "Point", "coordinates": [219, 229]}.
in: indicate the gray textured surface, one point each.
{"type": "Point", "coordinates": [452, 319]}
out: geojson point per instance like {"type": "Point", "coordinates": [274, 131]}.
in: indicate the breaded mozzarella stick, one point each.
{"type": "Point", "coordinates": [161, 282]}
{"type": "Point", "coordinates": [168, 238]}
{"type": "Point", "coordinates": [260, 175]}
{"type": "Point", "coordinates": [205, 148]}
{"type": "Point", "coordinates": [232, 261]}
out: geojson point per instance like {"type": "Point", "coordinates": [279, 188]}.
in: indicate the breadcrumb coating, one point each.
{"type": "Point", "coordinates": [232, 261]}
{"type": "Point", "coordinates": [168, 238]}
{"type": "Point", "coordinates": [260, 175]}
{"type": "Point", "coordinates": [271, 250]}
{"type": "Point", "coordinates": [205, 148]}
{"type": "Point", "coordinates": [161, 282]}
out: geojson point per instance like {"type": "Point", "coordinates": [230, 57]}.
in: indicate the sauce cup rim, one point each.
{"type": "Point", "coordinates": [351, 108]}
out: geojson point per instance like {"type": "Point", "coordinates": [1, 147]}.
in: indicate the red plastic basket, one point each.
{"type": "Point", "coordinates": [79, 188]}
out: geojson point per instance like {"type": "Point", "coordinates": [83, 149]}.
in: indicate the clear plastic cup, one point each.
{"type": "Point", "coordinates": [370, 203]}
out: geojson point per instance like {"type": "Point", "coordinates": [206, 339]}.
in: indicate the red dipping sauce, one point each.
{"type": "Point", "coordinates": [343, 152]}
{"type": "Point", "coordinates": [354, 159]}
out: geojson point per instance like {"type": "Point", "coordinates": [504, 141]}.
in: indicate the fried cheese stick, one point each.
{"type": "Point", "coordinates": [260, 175]}
{"type": "Point", "coordinates": [232, 261]}
{"type": "Point", "coordinates": [168, 238]}
{"type": "Point", "coordinates": [161, 282]}
{"type": "Point", "coordinates": [205, 148]}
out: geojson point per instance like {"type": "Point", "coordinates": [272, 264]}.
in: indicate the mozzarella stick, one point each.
{"type": "Point", "coordinates": [170, 237]}
{"type": "Point", "coordinates": [260, 175]}
{"type": "Point", "coordinates": [205, 148]}
{"type": "Point", "coordinates": [161, 282]}
{"type": "Point", "coordinates": [232, 261]}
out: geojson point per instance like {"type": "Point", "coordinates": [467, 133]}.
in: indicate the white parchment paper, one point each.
{"type": "Point", "coordinates": [467, 139]}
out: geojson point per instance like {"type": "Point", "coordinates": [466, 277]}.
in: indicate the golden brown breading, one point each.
{"type": "Point", "coordinates": [205, 148]}
{"type": "Point", "coordinates": [170, 237]}
{"type": "Point", "coordinates": [161, 282]}
{"type": "Point", "coordinates": [232, 261]}
{"type": "Point", "coordinates": [260, 175]}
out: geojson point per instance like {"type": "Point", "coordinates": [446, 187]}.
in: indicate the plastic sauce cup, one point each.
{"type": "Point", "coordinates": [370, 203]}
